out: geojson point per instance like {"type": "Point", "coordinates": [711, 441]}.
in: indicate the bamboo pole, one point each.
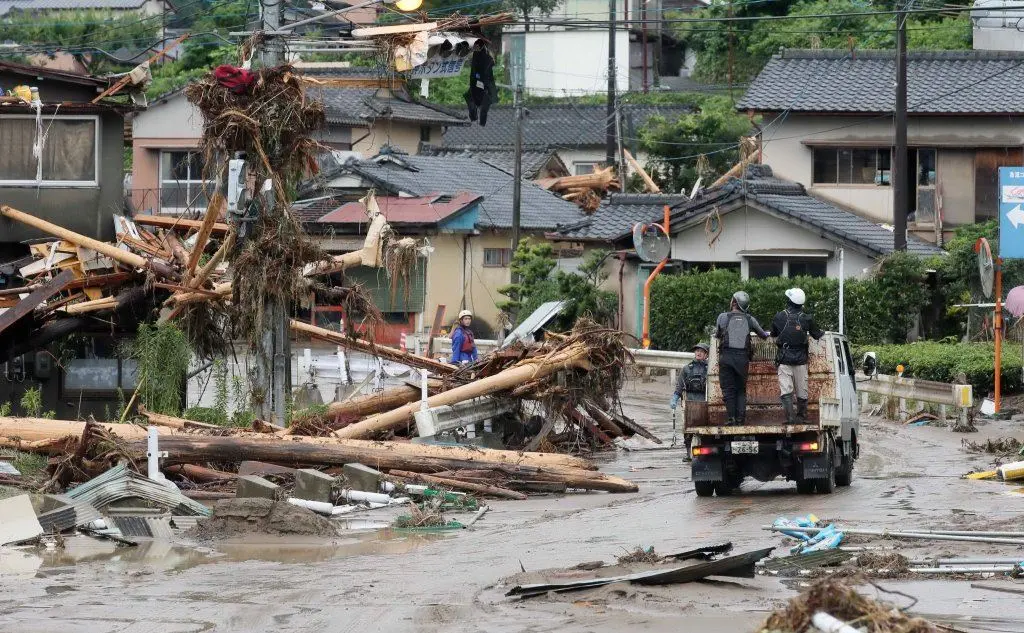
{"type": "Point", "coordinates": [651, 185]}
{"type": "Point", "coordinates": [111, 251]}
{"type": "Point", "coordinates": [525, 371]}
{"type": "Point", "coordinates": [455, 484]}
{"type": "Point", "coordinates": [387, 353]}
{"type": "Point", "coordinates": [212, 213]}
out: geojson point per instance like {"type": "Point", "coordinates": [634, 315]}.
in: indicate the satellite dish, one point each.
{"type": "Point", "coordinates": [986, 267]}
{"type": "Point", "coordinates": [651, 242]}
{"type": "Point", "coordinates": [696, 188]}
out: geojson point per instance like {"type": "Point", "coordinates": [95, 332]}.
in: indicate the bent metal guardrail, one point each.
{"type": "Point", "coordinates": [944, 394]}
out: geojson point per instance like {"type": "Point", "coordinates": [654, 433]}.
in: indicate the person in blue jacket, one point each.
{"type": "Point", "coordinates": [463, 343]}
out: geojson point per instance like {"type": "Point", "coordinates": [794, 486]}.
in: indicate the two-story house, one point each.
{"type": "Point", "coordinates": [827, 123]}
{"type": "Point", "coordinates": [364, 113]}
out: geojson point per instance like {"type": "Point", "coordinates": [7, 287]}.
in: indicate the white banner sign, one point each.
{"type": "Point", "coordinates": [439, 67]}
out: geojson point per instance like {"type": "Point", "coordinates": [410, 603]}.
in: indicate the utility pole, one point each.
{"type": "Point", "coordinates": [900, 175]}
{"type": "Point", "coordinates": [275, 358]}
{"type": "Point", "coordinates": [609, 123]}
{"type": "Point", "coordinates": [517, 168]}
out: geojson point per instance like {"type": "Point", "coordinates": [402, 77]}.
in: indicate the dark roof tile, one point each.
{"type": "Point", "coordinates": [938, 82]}
{"type": "Point", "coordinates": [358, 106]}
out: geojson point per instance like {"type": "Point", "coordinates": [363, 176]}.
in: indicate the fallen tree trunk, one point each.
{"type": "Point", "coordinates": [369, 404]}
{"type": "Point", "coordinates": [387, 353]}
{"type": "Point", "coordinates": [199, 474]}
{"type": "Point", "coordinates": [521, 373]}
{"type": "Point", "coordinates": [28, 430]}
{"type": "Point", "coordinates": [380, 455]}
{"type": "Point", "coordinates": [455, 484]}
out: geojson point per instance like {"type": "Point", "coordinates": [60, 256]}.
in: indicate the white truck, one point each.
{"type": "Point", "coordinates": [817, 453]}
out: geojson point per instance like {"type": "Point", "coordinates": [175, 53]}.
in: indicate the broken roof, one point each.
{"type": "Point", "coordinates": [429, 209]}
{"type": "Point", "coordinates": [938, 82]}
{"type": "Point", "coordinates": [361, 106]}
{"type": "Point", "coordinates": [50, 73]}
{"type": "Point", "coordinates": [551, 125]}
{"type": "Point", "coordinates": [452, 175]}
{"type": "Point", "coordinates": [617, 212]}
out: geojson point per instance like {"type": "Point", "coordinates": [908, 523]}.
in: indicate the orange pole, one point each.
{"type": "Point", "coordinates": [646, 338]}
{"type": "Point", "coordinates": [999, 329]}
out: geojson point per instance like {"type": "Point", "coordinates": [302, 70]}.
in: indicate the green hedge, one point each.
{"type": "Point", "coordinates": [878, 310]}
{"type": "Point", "coordinates": [944, 361]}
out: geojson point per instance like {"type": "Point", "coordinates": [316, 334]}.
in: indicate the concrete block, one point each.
{"type": "Point", "coordinates": [251, 486]}
{"type": "Point", "coordinates": [312, 485]}
{"type": "Point", "coordinates": [359, 477]}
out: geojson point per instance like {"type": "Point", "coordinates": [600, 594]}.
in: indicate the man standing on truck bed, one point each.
{"type": "Point", "coordinates": [733, 330]}
{"type": "Point", "coordinates": [790, 329]}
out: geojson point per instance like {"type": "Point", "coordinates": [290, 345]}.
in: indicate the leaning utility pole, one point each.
{"type": "Point", "coordinates": [517, 169]}
{"type": "Point", "coordinates": [275, 358]}
{"type": "Point", "coordinates": [900, 175]}
{"type": "Point", "coordinates": [609, 124]}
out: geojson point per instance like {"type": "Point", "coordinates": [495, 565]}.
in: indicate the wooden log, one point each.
{"type": "Point", "coordinates": [372, 252]}
{"type": "Point", "coordinates": [174, 245]}
{"type": "Point", "coordinates": [213, 210]}
{"type": "Point", "coordinates": [369, 404]}
{"type": "Point", "coordinates": [199, 448]}
{"type": "Point", "coordinates": [387, 353]}
{"type": "Point", "coordinates": [111, 251]}
{"type": "Point", "coordinates": [199, 474]}
{"type": "Point", "coordinates": [652, 186]}
{"type": "Point", "coordinates": [34, 429]}
{"type": "Point", "coordinates": [455, 484]}
{"type": "Point", "coordinates": [171, 422]}
{"type": "Point", "coordinates": [606, 422]}
{"type": "Point", "coordinates": [523, 372]}
{"type": "Point", "coordinates": [180, 224]}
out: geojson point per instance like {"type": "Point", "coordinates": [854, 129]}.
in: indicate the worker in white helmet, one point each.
{"type": "Point", "coordinates": [463, 343]}
{"type": "Point", "coordinates": [791, 327]}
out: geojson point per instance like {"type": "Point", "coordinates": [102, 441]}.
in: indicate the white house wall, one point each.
{"type": "Point", "coordinates": [570, 63]}
{"type": "Point", "coordinates": [751, 230]}
{"type": "Point", "coordinates": [175, 119]}
{"type": "Point", "coordinates": [788, 141]}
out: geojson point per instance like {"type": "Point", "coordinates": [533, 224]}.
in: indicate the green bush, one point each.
{"type": "Point", "coordinates": [944, 361]}
{"type": "Point", "coordinates": [880, 309]}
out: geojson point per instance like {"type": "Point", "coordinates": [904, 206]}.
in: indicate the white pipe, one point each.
{"type": "Point", "coordinates": [842, 289]}
{"type": "Point", "coordinates": [964, 570]}
{"type": "Point", "coordinates": [319, 507]}
{"type": "Point", "coordinates": [828, 624]}
{"type": "Point", "coordinates": [153, 454]}
{"type": "Point", "coordinates": [424, 394]}
{"type": "Point", "coordinates": [909, 535]}
{"type": "Point", "coordinates": [372, 497]}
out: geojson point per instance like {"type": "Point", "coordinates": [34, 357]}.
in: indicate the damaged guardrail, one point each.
{"type": "Point", "coordinates": [943, 394]}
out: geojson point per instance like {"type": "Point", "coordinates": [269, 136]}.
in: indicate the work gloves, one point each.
{"type": "Point", "coordinates": [675, 401]}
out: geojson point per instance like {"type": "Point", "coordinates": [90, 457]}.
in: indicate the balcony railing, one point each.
{"type": "Point", "coordinates": [178, 201]}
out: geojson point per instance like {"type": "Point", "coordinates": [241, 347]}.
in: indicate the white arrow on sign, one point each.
{"type": "Point", "coordinates": [1015, 216]}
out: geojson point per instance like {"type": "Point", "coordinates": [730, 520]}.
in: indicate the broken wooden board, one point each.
{"type": "Point", "coordinates": [29, 303]}
{"type": "Point", "coordinates": [179, 224]}
{"type": "Point", "coordinates": [375, 31]}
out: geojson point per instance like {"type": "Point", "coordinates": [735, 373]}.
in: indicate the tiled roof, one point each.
{"type": "Point", "coordinates": [358, 106]}
{"type": "Point", "coordinates": [790, 200]}
{"type": "Point", "coordinates": [50, 73]}
{"type": "Point", "coordinates": [555, 125]}
{"type": "Point", "coordinates": [452, 175]}
{"type": "Point", "coordinates": [312, 210]}
{"type": "Point", "coordinates": [56, 5]}
{"type": "Point", "coordinates": [533, 159]}
{"type": "Point", "coordinates": [938, 82]}
{"type": "Point", "coordinates": [618, 213]}
{"type": "Point", "coordinates": [419, 210]}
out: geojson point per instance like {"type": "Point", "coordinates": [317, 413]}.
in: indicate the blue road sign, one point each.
{"type": "Point", "coordinates": [1011, 212]}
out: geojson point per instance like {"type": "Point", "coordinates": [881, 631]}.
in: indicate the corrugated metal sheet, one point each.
{"type": "Point", "coordinates": [121, 483]}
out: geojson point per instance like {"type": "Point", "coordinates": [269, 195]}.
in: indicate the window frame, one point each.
{"type": "Point", "coordinates": [505, 257]}
{"type": "Point", "coordinates": [189, 183]}
{"type": "Point", "coordinates": [584, 163]}
{"type": "Point", "coordinates": [95, 182]}
{"type": "Point", "coordinates": [852, 149]}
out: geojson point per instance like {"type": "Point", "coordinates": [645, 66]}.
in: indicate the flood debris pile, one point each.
{"type": "Point", "coordinates": [884, 553]}
{"type": "Point", "coordinates": [831, 604]}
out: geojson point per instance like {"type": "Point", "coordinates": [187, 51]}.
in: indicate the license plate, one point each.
{"type": "Point", "coordinates": [745, 448]}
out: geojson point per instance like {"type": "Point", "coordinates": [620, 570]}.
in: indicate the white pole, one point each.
{"type": "Point", "coordinates": [152, 453]}
{"type": "Point", "coordinates": [842, 283]}
{"type": "Point", "coordinates": [424, 395]}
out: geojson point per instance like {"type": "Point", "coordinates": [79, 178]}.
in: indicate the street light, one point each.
{"type": "Point", "coordinates": [408, 5]}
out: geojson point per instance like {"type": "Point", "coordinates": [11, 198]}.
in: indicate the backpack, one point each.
{"type": "Point", "coordinates": [736, 333]}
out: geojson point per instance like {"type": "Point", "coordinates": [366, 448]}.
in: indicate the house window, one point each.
{"type": "Point", "coordinates": [808, 268]}
{"type": "Point", "coordinates": [425, 133]}
{"type": "Point", "coordinates": [763, 267]}
{"type": "Point", "coordinates": [851, 166]}
{"type": "Point", "coordinates": [497, 257]}
{"type": "Point", "coordinates": [97, 369]}
{"type": "Point", "coordinates": [182, 187]}
{"type": "Point", "coordinates": [582, 169]}
{"type": "Point", "coordinates": [69, 155]}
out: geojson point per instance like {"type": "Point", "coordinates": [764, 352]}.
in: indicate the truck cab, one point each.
{"type": "Point", "coordinates": [817, 453]}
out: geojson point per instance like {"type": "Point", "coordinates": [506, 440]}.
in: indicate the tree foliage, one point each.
{"type": "Point", "coordinates": [540, 281]}
{"type": "Point", "coordinates": [741, 49]}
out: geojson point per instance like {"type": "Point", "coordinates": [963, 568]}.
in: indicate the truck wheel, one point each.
{"type": "Point", "coordinates": [805, 486]}
{"type": "Point", "coordinates": [844, 475]}
{"type": "Point", "coordinates": [826, 485]}
{"type": "Point", "coordinates": [704, 488]}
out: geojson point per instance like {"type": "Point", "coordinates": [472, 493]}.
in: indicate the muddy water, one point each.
{"type": "Point", "coordinates": [907, 477]}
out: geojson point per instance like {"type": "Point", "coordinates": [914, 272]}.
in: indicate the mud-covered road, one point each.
{"type": "Point", "coordinates": [906, 477]}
